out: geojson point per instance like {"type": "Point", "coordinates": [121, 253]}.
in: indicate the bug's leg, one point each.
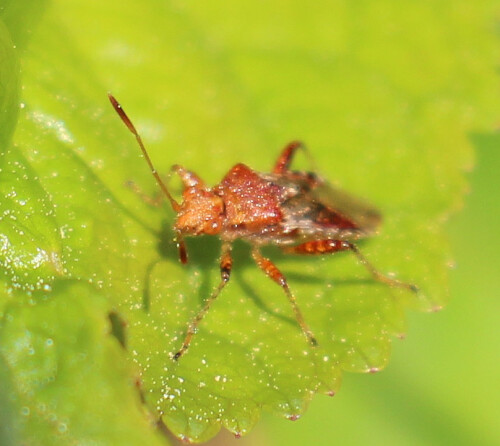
{"type": "Point", "coordinates": [275, 274]}
{"type": "Point", "coordinates": [283, 162]}
{"type": "Point", "coordinates": [188, 178]}
{"type": "Point", "coordinates": [226, 263]}
{"type": "Point", "coordinates": [190, 181]}
{"type": "Point", "coordinates": [329, 246]}
{"type": "Point", "coordinates": [181, 248]}
{"type": "Point", "coordinates": [285, 159]}
{"type": "Point", "coordinates": [156, 200]}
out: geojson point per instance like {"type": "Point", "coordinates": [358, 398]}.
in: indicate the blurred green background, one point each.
{"type": "Point", "coordinates": [419, 76]}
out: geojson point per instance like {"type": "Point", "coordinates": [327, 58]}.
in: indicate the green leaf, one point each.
{"type": "Point", "coordinates": [9, 87]}
{"type": "Point", "coordinates": [30, 252]}
{"type": "Point", "coordinates": [21, 18]}
{"type": "Point", "coordinates": [9, 427]}
{"type": "Point", "coordinates": [69, 372]}
{"type": "Point", "coordinates": [374, 91]}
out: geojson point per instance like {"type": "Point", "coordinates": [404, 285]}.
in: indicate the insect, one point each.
{"type": "Point", "coordinates": [296, 211]}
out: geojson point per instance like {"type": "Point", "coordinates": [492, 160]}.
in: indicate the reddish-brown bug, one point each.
{"type": "Point", "coordinates": [297, 211]}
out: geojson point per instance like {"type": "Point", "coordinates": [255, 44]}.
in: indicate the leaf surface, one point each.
{"type": "Point", "coordinates": [374, 93]}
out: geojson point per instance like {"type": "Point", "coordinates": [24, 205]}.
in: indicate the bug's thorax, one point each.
{"type": "Point", "coordinates": [241, 201]}
{"type": "Point", "coordinates": [250, 200]}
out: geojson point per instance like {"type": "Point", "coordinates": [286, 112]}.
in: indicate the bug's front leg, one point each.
{"type": "Point", "coordinates": [226, 263]}
{"type": "Point", "coordinates": [155, 200]}
{"type": "Point", "coordinates": [328, 246]}
{"type": "Point", "coordinates": [275, 274]}
{"type": "Point", "coordinates": [188, 178]}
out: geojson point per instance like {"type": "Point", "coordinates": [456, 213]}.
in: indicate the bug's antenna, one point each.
{"type": "Point", "coordinates": [121, 113]}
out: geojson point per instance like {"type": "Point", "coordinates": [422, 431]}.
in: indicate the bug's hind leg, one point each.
{"type": "Point", "coordinates": [285, 159]}
{"type": "Point", "coordinates": [277, 276]}
{"type": "Point", "coordinates": [226, 263]}
{"type": "Point", "coordinates": [328, 246]}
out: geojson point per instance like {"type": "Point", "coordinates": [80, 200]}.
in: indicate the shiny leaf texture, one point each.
{"type": "Point", "coordinates": [383, 94]}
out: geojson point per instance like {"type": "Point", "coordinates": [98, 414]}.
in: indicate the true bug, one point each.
{"type": "Point", "coordinates": [297, 211]}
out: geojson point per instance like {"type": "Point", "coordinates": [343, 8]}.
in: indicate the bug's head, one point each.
{"type": "Point", "coordinates": [201, 212]}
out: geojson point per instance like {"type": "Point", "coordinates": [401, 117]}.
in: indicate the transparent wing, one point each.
{"type": "Point", "coordinates": [316, 209]}
{"type": "Point", "coordinates": [364, 216]}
